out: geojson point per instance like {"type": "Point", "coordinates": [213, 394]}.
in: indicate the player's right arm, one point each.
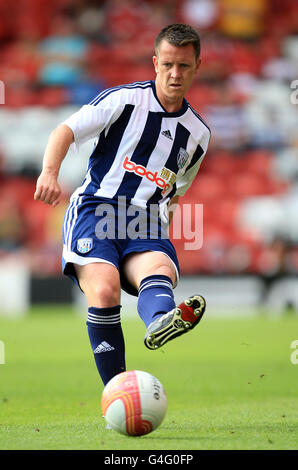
{"type": "Point", "coordinates": [47, 186]}
{"type": "Point", "coordinates": [85, 124]}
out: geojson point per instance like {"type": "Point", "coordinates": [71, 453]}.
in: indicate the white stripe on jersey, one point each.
{"type": "Point", "coordinates": [114, 176]}
{"type": "Point", "coordinates": [74, 217]}
{"type": "Point", "coordinates": [68, 219]}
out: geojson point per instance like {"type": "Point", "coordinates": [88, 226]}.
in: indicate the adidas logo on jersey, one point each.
{"type": "Point", "coordinates": [103, 347]}
{"type": "Point", "coordinates": [167, 134]}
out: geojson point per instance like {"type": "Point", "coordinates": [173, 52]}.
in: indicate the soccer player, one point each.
{"type": "Point", "coordinates": [149, 146]}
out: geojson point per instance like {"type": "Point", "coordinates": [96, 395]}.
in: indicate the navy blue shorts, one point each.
{"type": "Point", "coordinates": [106, 230]}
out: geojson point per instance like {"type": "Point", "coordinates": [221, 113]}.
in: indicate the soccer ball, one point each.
{"type": "Point", "coordinates": [134, 403]}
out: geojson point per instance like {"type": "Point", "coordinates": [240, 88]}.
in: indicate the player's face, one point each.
{"type": "Point", "coordinates": [175, 69]}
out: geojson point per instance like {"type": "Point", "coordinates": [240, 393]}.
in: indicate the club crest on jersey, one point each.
{"type": "Point", "coordinates": [182, 157]}
{"type": "Point", "coordinates": [84, 245]}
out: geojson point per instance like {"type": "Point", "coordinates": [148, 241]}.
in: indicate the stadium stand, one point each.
{"type": "Point", "coordinates": [57, 55]}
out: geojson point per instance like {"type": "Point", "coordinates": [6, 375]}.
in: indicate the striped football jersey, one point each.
{"type": "Point", "coordinates": [141, 151]}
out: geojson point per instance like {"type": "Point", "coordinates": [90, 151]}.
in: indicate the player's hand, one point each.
{"type": "Point", "coordinates": [48, 189]}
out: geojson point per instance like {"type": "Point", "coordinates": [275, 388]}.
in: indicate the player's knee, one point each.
{"type": "Point", "coordinates": [107, 295]}
{"type": "Point", "coordinates": [160, 269]}
{"type": "Point", "coordinates": [103, 295]}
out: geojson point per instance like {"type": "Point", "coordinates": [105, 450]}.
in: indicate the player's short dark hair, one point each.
{"type": "Point", "coordinates": [179, 34]}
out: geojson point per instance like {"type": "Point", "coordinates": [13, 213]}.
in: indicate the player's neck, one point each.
{"type": "Point", "coordinates": [170, 104]}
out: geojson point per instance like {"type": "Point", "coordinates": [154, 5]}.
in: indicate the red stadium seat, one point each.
{"type": "Point", "coordinates": [52, 97]}
{"type": "Point", "coordinates": [258, 161]}
{"type": "Point", "coordinates": [19, 97]}
{"type": "Point", "coordinates": [201, 95]}
{"type": "Point", "coordinates": [226, 211]}
{"type": "Point", "coordinates": [222, 163]}
{"type": "Point", "coordinates": [209, 187]}
{"type": "Point", "coordinates": [249, 185]}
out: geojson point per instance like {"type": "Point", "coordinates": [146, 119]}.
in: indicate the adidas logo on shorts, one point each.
{"type": "Point", "coordinates": [103, 347]}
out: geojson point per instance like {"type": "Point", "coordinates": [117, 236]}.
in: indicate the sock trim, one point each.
{"type": "Point", "coordinates": [103, 316]}
{"type": "Point", "coordinates": [155, 281]}
{"type": "Point", "coordinates": [102, 320]}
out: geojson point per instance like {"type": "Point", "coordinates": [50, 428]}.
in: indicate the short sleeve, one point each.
{"type": "Point", "coordinates": [90, 121]}
{"type": "Point", "coordinates": [185, 181]}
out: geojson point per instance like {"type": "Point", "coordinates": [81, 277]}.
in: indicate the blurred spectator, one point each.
{"type": "Point", "coordinates": [285, 163]}
{"type": "Point", "coordinates": [282, 64]}
{"type": "Point", "coordinates": [125, 20]}
{"type": "Point", "coordinates": [272, 216]}
{"type": "Point", "coordinates": [201, 14]}
{"type": "Point", "coordinates": [20, 60]}
{"type": "Point", "coordinates": [63, 53]}
{"type": "Point", "coordinates": [12, 226]}
{"type": "Point", "coordinates": [280, 68]}
{"type": "Point", "coordinates": [217, 54]}
{"type": "Point", "coordinates": [90, 19]}
{"type": "Point", "coordinates": [271, 118]}
{"type": "Point", "coordinates": [290, 47]}
{"type": "Point", "coordinates": [243, 19]}
{"type": "Point", "coordinates": [290, 206]}
{"type": "Point", "coordinates": [158, 15]}
{"type": "Point", "coordinates": [273, 260]}
{"type": "Point", "coordinates": [243, 85]}
{"type": "Point", "coordinates": [19, 68]}
{"type": "Point", "coordinates": [227, 120]}
{"type": "Point", "coordinates": [12, 229]}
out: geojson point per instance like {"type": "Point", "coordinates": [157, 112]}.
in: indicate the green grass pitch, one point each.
{"type": "Point", "coordinates": [230, 384]}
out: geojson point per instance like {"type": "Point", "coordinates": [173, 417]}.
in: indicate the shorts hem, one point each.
{"type": "Point", "coordinates": [71, 257]}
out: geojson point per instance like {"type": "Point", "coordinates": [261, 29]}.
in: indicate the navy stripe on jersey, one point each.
{"type": "Point", "coordinates": [141, 154]}
{"type": "Point", "coordinates": [107, 92]}
{"type": "Point", "coordinates": [106, 149]}
{"type": "Point", "coordinates": [173, 192]}
{"type": "Point", "coordinates": [180, 141]}
{"type": "Point", "coordinates": [196, 156]}
{"type": "Point", "coordinates": [148, 139]}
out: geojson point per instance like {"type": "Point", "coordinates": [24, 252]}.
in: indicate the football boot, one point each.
{"type": "Point", "coordinates": [178, 321]}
